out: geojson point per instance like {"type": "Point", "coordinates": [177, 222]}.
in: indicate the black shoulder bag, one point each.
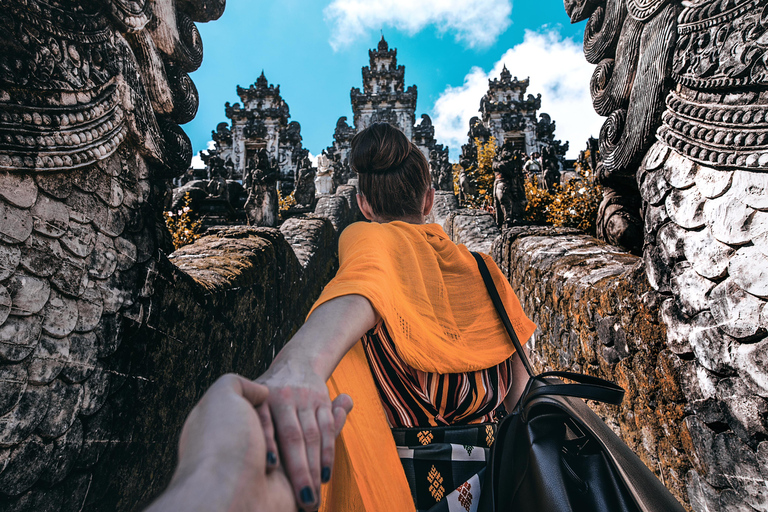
{"type": "Point", "coordinates": [553, 453]}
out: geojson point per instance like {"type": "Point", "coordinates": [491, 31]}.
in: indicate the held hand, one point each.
{"type": "Point", "coordinates": [300, 416]}
{"type": "Point", "coordinates": [222, 455]}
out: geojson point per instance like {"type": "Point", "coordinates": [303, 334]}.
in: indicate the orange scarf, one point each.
{"type": "Point", "coordinates": [430, 294]}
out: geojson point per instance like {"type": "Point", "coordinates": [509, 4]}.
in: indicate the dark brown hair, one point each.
{"type": "Point", "coordinates": [393, 173]}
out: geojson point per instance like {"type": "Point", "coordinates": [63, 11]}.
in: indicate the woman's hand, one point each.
{"type": "Point", "coordinates": [300, 416]}
{"type": "Point", "coordinates": [299, 419]}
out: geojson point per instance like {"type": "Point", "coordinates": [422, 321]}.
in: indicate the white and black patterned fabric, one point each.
{"type": "Point", "coordinates": [445, 466]}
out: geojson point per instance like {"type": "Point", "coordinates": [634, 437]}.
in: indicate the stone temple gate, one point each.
{"type": "Point", "coordinates": [108, 337]}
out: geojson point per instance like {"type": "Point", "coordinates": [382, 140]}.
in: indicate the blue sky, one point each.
{"type": "Point", "coordinates": [314, 50]}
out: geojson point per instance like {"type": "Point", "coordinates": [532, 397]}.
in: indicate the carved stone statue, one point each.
{"type": "Point", "coordinates": [262, 206]}
{"type": "Point", "coordinates": [324, 178]}
{"type": "Point", "coordinates": [98, 90]}
{"type": "Point", "coordinates": [509, 200]}
{"type": "Point", "coordinates": [442, 170]}
{"type": "Point", "coordinates": [304, 193]}
{"type": "Point", "coordinates": [550, 177]}
{"type": "Point", "coordinates": [685, 168]}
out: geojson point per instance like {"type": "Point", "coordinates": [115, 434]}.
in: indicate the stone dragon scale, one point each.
{"type": "Point", "coordinates": [685, 167]}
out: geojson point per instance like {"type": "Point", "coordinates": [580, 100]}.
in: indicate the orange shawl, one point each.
{"type": "Point", "coordinates": [430, 294]}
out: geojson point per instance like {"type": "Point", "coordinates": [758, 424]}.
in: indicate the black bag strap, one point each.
{"type": "Point", "coordinates": [588, 387]}
{"type": "Point", "coordinates": [494, 293]}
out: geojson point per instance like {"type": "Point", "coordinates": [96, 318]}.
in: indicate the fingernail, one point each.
{"type": "Point", "coordinates": [325, 474]}
{"type": "Point", "coordinates": [271, 458]}
{"type": "Point", "coordinates": [307, 496]}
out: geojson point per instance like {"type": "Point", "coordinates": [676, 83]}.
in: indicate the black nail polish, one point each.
{"type": "Point", "coordinates": [325, 474]}
{"type": "Point", "coordinates": [307, 496]}
{"type": "Point", "coordinates": [271, 458]}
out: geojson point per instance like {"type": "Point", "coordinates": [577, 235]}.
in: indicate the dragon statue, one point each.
{"type": "Point", "coordinates": [685, 169]}
{"type": "Point", "coordinates": [92, 93]}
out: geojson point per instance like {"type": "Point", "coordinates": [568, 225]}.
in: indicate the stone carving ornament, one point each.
{"type": "Point", "coordinates": [91, 97]}
{"type": "Point", "coordinates": [261, 207]}
{"type": "Point", "coordinates": [684, 89]}
{"type": "Point", "coordinates": [509, 199]}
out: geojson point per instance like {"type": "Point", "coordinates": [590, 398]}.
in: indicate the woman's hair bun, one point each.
{"type": "Point", "coordinates": [378, 149]}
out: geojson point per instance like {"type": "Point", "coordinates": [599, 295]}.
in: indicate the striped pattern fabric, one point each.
{"type": "Point", "coordinates": [413, 398]}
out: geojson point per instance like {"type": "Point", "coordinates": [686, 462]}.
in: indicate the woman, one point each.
{"type": "Point", "coordinates": [434, 362]}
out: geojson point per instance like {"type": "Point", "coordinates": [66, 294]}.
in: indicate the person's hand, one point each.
{"type": "Point", "coordinates": [300, 416]}
{"type": "Point", "coordinates": [222, 455]}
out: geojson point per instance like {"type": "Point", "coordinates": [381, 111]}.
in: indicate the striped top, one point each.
{"type": "Point", "coordinates": [413, 398]}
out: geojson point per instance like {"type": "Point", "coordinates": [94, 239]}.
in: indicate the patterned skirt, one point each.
{"type": "Point", "coordinates": [445, 465]}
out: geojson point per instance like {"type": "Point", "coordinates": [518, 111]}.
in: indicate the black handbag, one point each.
{"type": "Point", "coordinates": [553, 453]}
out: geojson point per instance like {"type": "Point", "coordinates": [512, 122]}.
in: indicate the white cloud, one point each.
{"type": "Point", "coordinates": [557, 69]}
{"type": "Point", "coordinates": [474, 22]}
{"type": "Point", "coordinates": [197, 161]}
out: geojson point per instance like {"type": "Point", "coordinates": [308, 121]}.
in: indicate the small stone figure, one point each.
{"type": "Point", "coordinates": [304, 192]}
{"type": "Point", "coordinates": [442, 171]}
{"type": "Point", "coordinates": [466, 189]}
{"type": "Point", "coordinates": [551, 177]}
{"type": "Point", "coordinates": [324, 178]}
{"type": "Point", "coordinates": [509, 200]}
{"type": "Point", "coordinates": [261, 207]}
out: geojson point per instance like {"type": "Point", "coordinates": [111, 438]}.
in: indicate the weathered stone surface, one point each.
{"type": "Point", "coordinates": [50, 216]}
{"type": "Point", "coordinates": [15, 224]}
{"type": "Point", "coordinates": [95, 390]}
{"type": "Point", "coordinates": [750, 359]}
{"type": "Point", "coordinates": [14, 380]}
{"type": "Point", "coordinates": [335, 209]}
{"type": "Point", "coordinates": [690, 289]}
{"type": "Point", "coordinates": [31, 409]}
{"type": "Point", "coordinates": [82, 357]}
{"type": "Point", "coordinates": [79, 239]}
{"type": "Point", "coordinates": [445, 203]}
{"type": "Point", "coordinates": [59, 316]}
{"type": "Point", "coordinates": [713, 183]}
{"type": "Point", "coordinates": [477, 229]}
{"type": "Point", "coordinates": [48, 360]}
{"type": "Point", "coordinates": [709, 257]}
{"type": "Point", "coordinates": [585, 296]}
{"type": "Point", "coordinates": [66, 450]}
{"type": "Point", "coordinates": [19, 336]}
{"type": "Point", "coordinates": [82, 207]}
{"type": "Point", "coordinates": [5, 304]}
{"type": "Point", "coordinates": [110, 221]}
{"type": "Point", "coordinates": [729, 220]}
{"type": "Point", "coordinates": [10, 256]}
{"type": "Point", "coordinates": [751, 188]}
{"type": "Point", "coordinates": [41, 256]}
{"type": "Point", "coordinates": [26, 464]}
{"type": "Point", "coordinates": [64, 406]}
{"type": "Point", "coordinates": [680, 172]}
{"type": "Point", "coordinates": [126, 253]}
{"type": "Point", "coordinates": [749, 268]}
{"type": "Point", "coordinates": [736, 311]}
{"type": "Point", "coordinates": [686, 207]}
{"type": "Point", "coordinates": [89, 309]}
{"type": "Point", "coordinates": [18, 189]}
{"type": "Point", "coordinates": [103, 260]}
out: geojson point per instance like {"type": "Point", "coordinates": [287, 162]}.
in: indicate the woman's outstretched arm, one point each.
{"type": "Point", "coordinates": [298, 413]}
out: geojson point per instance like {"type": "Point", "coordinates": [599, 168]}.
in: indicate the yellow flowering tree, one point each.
{"type": "Point", "coordinates": [182, 224]}
{"type": "Point", "coordinates": [480, 176]}
{"type": "Point", "coordinates": [573, 205]}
